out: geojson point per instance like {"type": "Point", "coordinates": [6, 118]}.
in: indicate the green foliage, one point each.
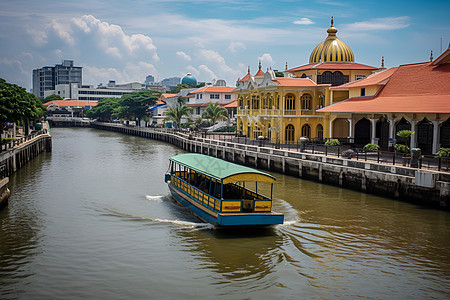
{"type": "Point", "coordinates": [405, 133]}
{"type": "Point", "coordinates": [402, 148]}
{"type": "Point", "coordinates": [52, 98]}
{"type": "Point", "coordinates": [135, 105]}
{"type": "Point", "coordinates": [279, 74]}
{"type": "Point", "coordinates": [214, 112]}
{"type": "Point", "coordinates": [6, 141]}
{"type": "Point", "coordinates": [18, 106]}
{"type": "Point", "coordinates": [371, 147]}
{"type": "Point", "coordinates": [443, 152]}
{"type": "Point", "coordinates": [105, 109]}
{"type": "Point", "coordinates": [179, 111]}
{"type": "Point", "coordinates": [333, 142]}
{"type": "Point", "coordinates": [226, 129]}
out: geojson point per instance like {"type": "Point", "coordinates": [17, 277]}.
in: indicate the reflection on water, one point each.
{"type": "Point", "coordinates": [94, 219]}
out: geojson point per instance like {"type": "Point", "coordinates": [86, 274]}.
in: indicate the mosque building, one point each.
{"type": "Point", "coordinates": [283, 109]}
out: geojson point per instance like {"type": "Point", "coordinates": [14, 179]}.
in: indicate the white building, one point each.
{"type": "Point", "coordinates": [83, 92]}
{"type": "Point", "coordinates": [199, 98]}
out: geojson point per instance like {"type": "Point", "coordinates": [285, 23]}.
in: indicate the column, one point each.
{"type": "Point", "coordinates": [373, 123]}
{"type": "Point", "coordinates": [413, 136]}
{"type": "Point", "coordinates": [436, 145]}
{"type": "Point", "coordinates": [351, 131]}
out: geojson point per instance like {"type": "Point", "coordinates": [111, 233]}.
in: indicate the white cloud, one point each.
{"type": "Point", "coordinates": [132, 72]}
{"type": "Point", "coordinates": [235, 46]}
{"type": "Point", "coordinates": [113, 40]}
{"type": "Point", "coordinates": [266, 59]}
{"type": "Point", "coordinates": [389, 23]}
{"type": "Point", "coordinates": [204, 71]}
{"type": "Point", "coordinates": [39, 38]}
{"type": "Point", "coordinates": [63, 31]}
{"type": "Point", "coordinates": [303, 21]}
{"type": "Point", "coordinates": [184, 55]}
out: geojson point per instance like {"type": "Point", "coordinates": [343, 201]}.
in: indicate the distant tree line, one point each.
{"type": "Point", "coordinates": [18, 106]}
{"type": "Point", "coordinates": [130, 106]}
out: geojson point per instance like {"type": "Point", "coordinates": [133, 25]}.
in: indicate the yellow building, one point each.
{"type": "Point", "coordinates": [283, 109]}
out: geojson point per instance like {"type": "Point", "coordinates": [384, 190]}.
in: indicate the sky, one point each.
{"type": "Point", "coordinates": [212, 39]}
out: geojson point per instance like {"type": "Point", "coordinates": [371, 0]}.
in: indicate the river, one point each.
{"type": "Point", "coordinates": [94, 220]}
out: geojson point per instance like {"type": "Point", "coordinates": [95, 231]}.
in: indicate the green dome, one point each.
{"type": "Point", "coordinates": [189, 79]}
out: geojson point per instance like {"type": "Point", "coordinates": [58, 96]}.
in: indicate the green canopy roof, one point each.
{"type": "Point", "coordinates": [220, 169]}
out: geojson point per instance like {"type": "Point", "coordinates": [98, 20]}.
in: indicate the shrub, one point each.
{"type": "Point", "coordinates": [226, 129]}
{"type": "Point", "coordinates": [6, 141]}
{"type": "Point", "coordinates": [371, 147]}
{"type": "Point", "coordinates": [402, 148]}
{"type": "Point", "coordinates": [443, 152]}
{"type": "Point", "coordinates": [333, 142]}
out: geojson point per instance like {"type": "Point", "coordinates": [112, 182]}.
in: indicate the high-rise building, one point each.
{"type": "Point", "coordinates": [46, 78]}
{"type": "Point", "coordinates": [149, 79]}
{"type": "Point", "coordinates": [172, 81]}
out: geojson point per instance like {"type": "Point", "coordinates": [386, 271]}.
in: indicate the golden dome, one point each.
{"type": "Point", "coordinates": [332, 49]}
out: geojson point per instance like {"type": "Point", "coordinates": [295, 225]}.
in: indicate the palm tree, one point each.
{"type": "Point", "coordinates": [179, 111]}
{"type": "Point", "coordinates": [405, 134]}
{"type": "Point", "coordinates": [214, 112]}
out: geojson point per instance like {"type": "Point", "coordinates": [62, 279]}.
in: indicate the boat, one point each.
{"type": "Point", "coordinates": [215, 191]}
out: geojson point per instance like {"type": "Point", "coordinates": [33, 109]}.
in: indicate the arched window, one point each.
{"type": "Point", "coordinates": [320, 131]}
{"type": "Point", "coordinates": [270, 102]}
{"type": "Point", "coordinates": [289, 102]}
{"type": "Point", "coordinates": [269, 132]}
{"type": "Point", "coordinates": [306, 101]}
{"type": "Point", "coordinates": [425, 136]}
{"type": "Point", "coordinates": [306, 130]}
{"type": "Point", "coordinates": [289, 133]}
{"type": "Point", "coordinates": [445, 134]}
{"type": "Point", "coordinates": [241, 102]}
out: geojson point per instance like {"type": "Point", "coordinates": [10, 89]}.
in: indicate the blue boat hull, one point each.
{"type": "Point", "coordinates": [225, 219]}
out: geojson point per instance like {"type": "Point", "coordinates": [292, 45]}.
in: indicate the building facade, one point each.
{"type": "Point", "coordinates": [46, 78]}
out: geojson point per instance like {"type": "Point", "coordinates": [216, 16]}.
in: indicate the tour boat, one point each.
{"type": "Point", "coordinates": [215, 191]}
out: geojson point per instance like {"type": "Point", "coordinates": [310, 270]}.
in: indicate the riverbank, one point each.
{"type": "Point", "coordinates": [424, 187]}
{"type": "Point", "coordinates": [17, 153]}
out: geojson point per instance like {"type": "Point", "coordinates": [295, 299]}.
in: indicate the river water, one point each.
{"type": "Point", "coordinates": [94, 220]}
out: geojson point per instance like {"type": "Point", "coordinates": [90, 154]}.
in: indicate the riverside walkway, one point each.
{"type": "Point", "coordinates": [367, 174]}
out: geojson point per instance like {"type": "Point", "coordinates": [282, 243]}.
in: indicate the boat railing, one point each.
{"type": "Point", "coordinates": [249, 202]}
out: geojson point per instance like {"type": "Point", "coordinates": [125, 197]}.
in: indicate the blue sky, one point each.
{"type": "Point", "coordinates": [127, 40]}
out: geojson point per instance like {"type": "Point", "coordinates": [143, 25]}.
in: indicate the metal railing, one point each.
{"type": "Point", "coordinates": [21, 140]}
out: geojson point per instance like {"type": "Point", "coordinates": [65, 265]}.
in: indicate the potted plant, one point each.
{"type": "Point", "coordinates": [371, 147]}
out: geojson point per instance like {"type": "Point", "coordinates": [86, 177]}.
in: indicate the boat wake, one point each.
{"type": "Point", "coordinates": [155, 198]}
{"type": "Point", "coordinates": [291, 215]}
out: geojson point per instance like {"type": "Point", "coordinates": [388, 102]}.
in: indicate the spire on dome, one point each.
{"type": "Point", "coordinates": [259, 66]}
{"type": "Point", "coordinates": [332, 21]}
{"type": "Point", "coordinates": [286, 66]}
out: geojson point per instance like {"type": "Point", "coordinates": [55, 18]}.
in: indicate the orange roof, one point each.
{"type": "Point", "coordinates": [165, 96]}
{"type": "Point", "coordinates": [74, 103]}
{"type": "Point", "coordinates": [333, 66]}
{"type": "Point", "coordinates": [231, 104]}
{"type": "Point", "coordinates": [246, 77]}
{"type": "Point", "coordinates": [214, 89]}
{"type": "Point", "coordinates": [294, 81]}
{"type": "Point", "coordinates": [414, 88]}
{"type": "Point", "coordinates": [259, 73]}
{"type": "Point", "coordinates": [380, 78]}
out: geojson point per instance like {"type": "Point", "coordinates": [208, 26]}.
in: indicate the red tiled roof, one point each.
{"type": "Point", "coordinates": [214, 89]}
{"type": "Point", "coordinates": [231, 104]}
{"type": "Point", "coordinates": [246, 77]}
{"type": "Point", "coordinates": [380, 78]}
{"type": "Point", "coordinates": [295, 81]}
{"type": "Point", "coordinates": [259, 73]}
{"type": "Point", "coordinates": [414, 88]}
{"type": "Point", "coordinates": [332, 66]}
{"type": "Point", "coordinates": [165, 96]}
{"type": "Point", "coordinates": [80, 103]}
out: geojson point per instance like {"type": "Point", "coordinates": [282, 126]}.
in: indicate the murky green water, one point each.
{"type": "Point", "coordinates": [94, 220]}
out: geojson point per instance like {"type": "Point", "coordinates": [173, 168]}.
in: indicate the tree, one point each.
{"type": "Point", "coordinates": [135, 105]}
{"type": "Point", "coordinates": [214, 112]}
{"type": "Point", "coordinates": [105, 110]}
{"type": "Point", "coordinates": [279, 74]}
{"type": "Point", "coordinates": [177, 112]}
{"type": "Point", "coordinates": [52, 98]}
{"type": "Point", "coordinates": [405, 134]}
{"type": "Point", "coordinates": [18, 106]}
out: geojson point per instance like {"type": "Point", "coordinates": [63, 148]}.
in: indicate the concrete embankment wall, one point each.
{"type": "Point", "coordinates": [18, 156]}
{"type": "Point", "coordinates": [398, 182]}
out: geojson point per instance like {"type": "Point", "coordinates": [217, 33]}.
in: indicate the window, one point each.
{"type": "Point", "coordinates": [290, 133]}
{"type": "Point", "coordinates": [198, 110]}
{"type": "Point", "coordinates": [306, 130]}
{"type": "Point", "coordinates": [213, 96]}
{"type": "Point", "coordinates": [289, 102]}
{"type": "Point", "coordinates": [227, 97]}
{"type": "Point", "coordinates": [363, 91]}
{"type": "Point", "coordinates": [320, 131]}
{"type": "Point", "coordinates": [358, 77]}
{"type": "Point", "coordinates": [306, 101]}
